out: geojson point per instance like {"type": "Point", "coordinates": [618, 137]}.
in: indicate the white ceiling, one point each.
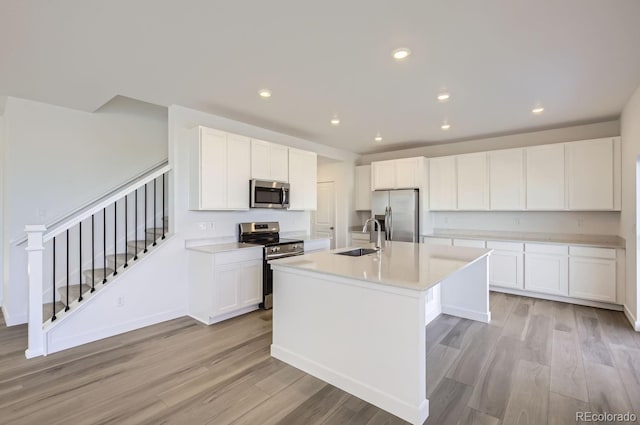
{"type": "Point", "coordinates": [580, 59]}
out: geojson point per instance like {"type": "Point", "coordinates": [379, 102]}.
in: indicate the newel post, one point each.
{"type": "Point", "coordinates": [35, 266]}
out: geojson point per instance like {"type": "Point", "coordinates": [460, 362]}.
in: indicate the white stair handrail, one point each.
{"type": "Point", "coordinates": [105, 203]}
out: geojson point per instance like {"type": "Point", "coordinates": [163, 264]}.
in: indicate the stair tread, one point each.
{"type": "Point", "coordinates": [74, 292]}
{"type": "Point", "coordinates": [120, 256]}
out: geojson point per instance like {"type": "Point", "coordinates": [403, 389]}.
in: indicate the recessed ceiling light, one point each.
{"type": "Point", "coordinates": [264, 93]}
{"type": "Point", "coordinates": [335, 120]}
{"type": "Point", "coordinates": [538, 110]}
{"type": "Point", "coordinates": [445, 126]}
{"type": "Point", "coordinates": [378, 138]}
{"type": "Point", "coordinates": [401, 53]}
{"type": "Point", "coordinates": [443, 97]}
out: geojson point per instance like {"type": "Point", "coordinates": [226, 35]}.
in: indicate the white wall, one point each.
{"type": "Point", "coordinates": [58, 159]}
{"type": "Point", "coordinates": [630, 134]}
{"type": "Point", "coordinates": [559, 135]}
{"type": "Point", "coordinates": [343, 175]}
{"type": "Point", "coordinates": [181, 122]}
{"type": "Point", "coordinates": [2, 222]}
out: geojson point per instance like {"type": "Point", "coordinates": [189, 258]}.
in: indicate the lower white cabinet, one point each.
{"type": "Point", "coordinates": [360, 240]}
{"type": "Point", "coordinates": [224, 284]}
{"type": "Point", "coordinates": [592, 273]}
{"type": "Point", "coordinates": [506, 264]}
{"type": "Point", "coordinates": [546, 269]}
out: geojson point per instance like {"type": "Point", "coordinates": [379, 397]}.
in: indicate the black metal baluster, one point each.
{"type": "Point", "coordinates": [135, 239]}
{"type": "Point", "coordinates": [104, 244]}
{"type": "Point", "coordinates": [126, 228]}
{"type": "Point", "coordinates": [115, 238]}
{"type": "Point", "coordinates": [67, 304]}
{"type": "Point", "coordinates": [155, 216]}
{"type": "Point", "coordinates": [145, 218]}
{"type": "Point", "coordinates": [163, 216]}
{"type": "Point", "coordinates": [93, 255]}
{"type": "Point", "coordinates": [80, 255]}
{"type": "Point", "coordinates": [54, 280]}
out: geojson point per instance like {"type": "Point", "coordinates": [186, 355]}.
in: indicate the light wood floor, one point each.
{"type": "Point", "coordinates": [538, 363]}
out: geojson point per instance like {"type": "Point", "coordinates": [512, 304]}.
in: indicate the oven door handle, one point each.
{"type": "Point", "coordinates": [286, 254]}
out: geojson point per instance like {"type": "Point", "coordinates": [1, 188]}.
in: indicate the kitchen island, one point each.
{"type": "Point", "coordinates": [359, 322]}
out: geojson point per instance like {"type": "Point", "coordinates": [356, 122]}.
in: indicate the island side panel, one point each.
{"type": "Point", "coordinates": [466, 292]}
{"type": "Point", "coordinates": [364, 338]}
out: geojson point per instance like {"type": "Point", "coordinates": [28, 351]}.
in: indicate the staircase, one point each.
{"type": "Point", "coordinates": [115, 262]}
{"type": "Point", "coordinates": [72, 262]}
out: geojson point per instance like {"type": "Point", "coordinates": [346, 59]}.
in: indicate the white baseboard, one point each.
{"type": "Point", "coordinates": [29, 354]}
{"type": "Point", "coordinates": [10, 320]}
{"type": "Point", "coordinates": [635, 323]}
{"type": "Point", "coordinates": [413, 414]}
{"type": "Point", "coordinates": [55, 345]}
{"type": "Point", "coordinates": [550, 297]}
{"type": "Point", "coordinates": [467, 314]}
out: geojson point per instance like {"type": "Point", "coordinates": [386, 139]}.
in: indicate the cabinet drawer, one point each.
{"type": "Point", "coordinates": [473, 243]}
{"type": "Point", "coordinates": [238, 256]}
{"type": "Point", "coordinates": [359, 236]}
{"type": "Point", "coordinates": [585, 251]}
{"type": "Point", "coordinates": [546, 249]}
{"type": "Point", "coordinates": [506, 246]}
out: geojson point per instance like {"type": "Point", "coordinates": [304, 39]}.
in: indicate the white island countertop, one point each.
{"type": "Point", "coordinates": [401, 264]}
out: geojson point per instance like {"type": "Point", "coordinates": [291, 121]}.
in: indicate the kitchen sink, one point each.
{"type": "Point", "coordinates": [358, 252]}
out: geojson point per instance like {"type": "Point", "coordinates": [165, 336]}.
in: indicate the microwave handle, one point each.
{"type": "Point", "coordinates": [284, 195]}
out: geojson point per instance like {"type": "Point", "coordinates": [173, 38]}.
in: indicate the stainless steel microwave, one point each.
{"type": "Point", "coordinates": [266, 194]}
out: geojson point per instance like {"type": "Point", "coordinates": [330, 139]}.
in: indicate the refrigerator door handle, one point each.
{"type": "Point", "coordinates": [390, 224]}
{"type": "Point", "coordinates": [386, 222]}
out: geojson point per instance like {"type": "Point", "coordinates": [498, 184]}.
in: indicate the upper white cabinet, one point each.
{"type": "Point", "coordinates": [545, 181]}
{"type": "Point", "coordinates": [406, 173]}
{"type": "Point", "coordinates": [473, 188]}
{"type": "Point", "coordinates": [506, 179]}
{"type": "Point", "coordinates": [303, 176]}
{"type": "Point", "coordinates": [219, 171]}
{"type": "Point", "coordinates": [269, 161]}
{"type": "Point", "coordinates": [442, 183]}
{"type": "Point", "coordinates": [591, 174]}
{"type": "Point", "coordinates": [363, 188]}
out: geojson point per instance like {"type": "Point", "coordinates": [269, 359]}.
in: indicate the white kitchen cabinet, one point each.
{"type": "Point", "coordinates": [303, 179]}
{"type": "Point", "coordinates": [506, 180]}
{"type": "Point", "coordinates": [591, 174]}
{"type": "Point", "coordinates": [405, 173]}
{"type": "Point", "coordinates": [546, 269]}
{"type": "Point", "coordinates": [592, 273]}
{"type": "Point", "coordinates": [363, 188]}
{"type": "Point", "coordinates": [224, 284]}
{"type": "Point", "coordinates": [383, 175]}
{"type": "Point", "coordinates": [472, 181]}
{"type": "Point", "coordinates": [219, 172]}
{"type": "Point", "coordinates": [442, 183]}
{"type": "Point", "coordinates": [269, 161]}
{"type": "Point", "coordinates": [312, 245]}
{"type": "Point", "coordinates": [506, 264]}
{"type": "Point", "coordinates": [545, 182]}
{"type": "Point", "coordinates": [361, 240]}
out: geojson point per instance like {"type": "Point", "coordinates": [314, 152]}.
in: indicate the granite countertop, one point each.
{"type": "Point", "coordinates": [222, 247]}
{"type": "Point", "coordinates": [401, 264]}
{"type": "Point", "coordinates": [603, 241]}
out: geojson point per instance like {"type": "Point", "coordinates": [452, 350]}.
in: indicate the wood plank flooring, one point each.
{"type": "Point", "coordinates": [539, 362]}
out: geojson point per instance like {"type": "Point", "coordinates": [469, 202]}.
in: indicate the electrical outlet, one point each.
{"type": "Point", "coordinates": [42, 213]}
{"type": "Point", "coordinates": [580, 222]}
{"type": "Point", "coordinates": [517, 220]}
{"type": "Point", "coordinates": [120, 302]}
{"type": "Point", "coordinates": [212, 226]}
{"type": "Point", "coordinates": [202, 226]}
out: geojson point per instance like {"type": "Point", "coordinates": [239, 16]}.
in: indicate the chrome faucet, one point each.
{"type": "Point", "coordinates": [364, 230]}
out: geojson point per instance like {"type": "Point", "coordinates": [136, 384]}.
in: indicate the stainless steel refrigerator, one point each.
{"type": "Point", "coordinates": [398, 213]}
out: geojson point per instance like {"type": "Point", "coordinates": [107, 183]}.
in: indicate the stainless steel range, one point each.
{"type": "Point", "coordinates": [268, 234]}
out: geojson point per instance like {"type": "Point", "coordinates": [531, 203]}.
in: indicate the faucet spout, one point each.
{"type": "Point", "coordinates": [378, 228]}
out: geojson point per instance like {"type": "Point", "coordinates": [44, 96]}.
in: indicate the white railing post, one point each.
{"type": "Point", "coordinates": [35, 266]}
